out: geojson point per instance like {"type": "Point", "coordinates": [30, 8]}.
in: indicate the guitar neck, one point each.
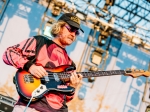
{"type": "Point", "coordinates": [94, 74]}
{"type": "Point", "coordinates": [101, 73]}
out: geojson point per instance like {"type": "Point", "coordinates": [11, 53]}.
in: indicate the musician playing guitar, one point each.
{"type": "Point", "coordinates": [37, 53]}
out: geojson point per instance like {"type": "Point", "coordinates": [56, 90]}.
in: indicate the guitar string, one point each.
{"type": "Point", "coordinates": [67, 75]}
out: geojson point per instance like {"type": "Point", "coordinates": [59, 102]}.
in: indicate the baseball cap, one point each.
{"type": "Point", "coordinates": [72, 20]}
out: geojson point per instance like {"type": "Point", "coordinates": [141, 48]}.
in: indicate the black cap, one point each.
{"type": "Point", "coordinates": [71, 19]}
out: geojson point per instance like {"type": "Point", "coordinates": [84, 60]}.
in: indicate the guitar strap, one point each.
{"type": "Point", "coordinates": [40, 41]}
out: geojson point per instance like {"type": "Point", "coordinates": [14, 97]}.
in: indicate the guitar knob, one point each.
{"type": "Point", "coordinates": [38, 91]}
{"type": "Point", "coordinates": [41, 87]}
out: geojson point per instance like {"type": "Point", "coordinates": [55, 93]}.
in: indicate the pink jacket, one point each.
{"type": "Point", "coordinates": [49, 55]}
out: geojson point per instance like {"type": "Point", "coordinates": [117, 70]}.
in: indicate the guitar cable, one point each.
{"type": "Point", "coordinates": [28, 104]}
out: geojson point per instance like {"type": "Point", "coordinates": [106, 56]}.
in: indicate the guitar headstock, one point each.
{"type": "Point", "coordinates": [136, 73]}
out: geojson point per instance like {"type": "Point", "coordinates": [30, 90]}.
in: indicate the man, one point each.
{"type": "Point", "coordinates": [36, 53]}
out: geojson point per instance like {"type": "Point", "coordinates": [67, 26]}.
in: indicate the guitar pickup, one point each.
{"type": "Point", "coordinates": [56, 77]}
{"type": "Point", "coordinates": [46, 78]}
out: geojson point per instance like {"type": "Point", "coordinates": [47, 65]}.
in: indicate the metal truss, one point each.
{"type": "Point", "coordinates": [130, 15]}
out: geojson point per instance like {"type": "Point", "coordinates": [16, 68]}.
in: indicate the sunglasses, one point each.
{"type": "Point", "coordinates": [71, 29]}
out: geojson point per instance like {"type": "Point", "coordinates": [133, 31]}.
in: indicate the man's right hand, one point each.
{"type": "Point", "coordinates": [37, 71]}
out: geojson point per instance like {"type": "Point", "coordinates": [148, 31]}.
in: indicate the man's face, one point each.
{"type": "Point", "coordinates": [68, 35]}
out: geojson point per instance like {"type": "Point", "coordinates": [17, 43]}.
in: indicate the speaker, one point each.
{"type": "Point", "coordinates": [5, 107]}
{"type": "Point", "coordinates": [6, 103]}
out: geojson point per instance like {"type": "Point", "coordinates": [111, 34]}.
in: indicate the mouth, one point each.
{"type": "Point", "coordinates": [70, 38]}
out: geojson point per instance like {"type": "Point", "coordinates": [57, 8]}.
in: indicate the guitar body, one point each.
{"type": "Point", "coordinates": [27, 85]}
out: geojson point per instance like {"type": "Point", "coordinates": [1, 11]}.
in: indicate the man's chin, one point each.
{"type": "Point", "coordinates": [69, 42]}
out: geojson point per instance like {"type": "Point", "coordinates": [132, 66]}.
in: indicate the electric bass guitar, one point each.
{"type": "Point", "coordinates": [29, 86]}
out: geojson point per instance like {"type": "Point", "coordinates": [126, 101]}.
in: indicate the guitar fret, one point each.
{"type": "Point", "coordinates": [86, 75]}
{"type": "Point", "coordinates": [93, 73]}
{"type": "Point", "coordinates": [89, 74]}
{"type": "Point", "coordinates": [112, 72]}
{"type": "Point", "coordinates": [97, 74]}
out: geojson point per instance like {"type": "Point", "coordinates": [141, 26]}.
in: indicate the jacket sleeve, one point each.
{"type": "Point", "coordinates": [69, 97]}
{"type": "Point", "coordinates": [19, 55]}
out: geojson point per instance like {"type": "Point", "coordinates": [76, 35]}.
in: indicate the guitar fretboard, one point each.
{"type": "Point", "coordinates": [101, 73]}
{"type": "Point", "coordinates": [94, 73]}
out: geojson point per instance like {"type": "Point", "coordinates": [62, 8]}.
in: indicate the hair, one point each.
{"type": "Point", "coordinates": [55, 30]}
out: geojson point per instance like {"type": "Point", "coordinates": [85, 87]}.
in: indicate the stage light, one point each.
{"type": "Point", "coordinates": [57, 7]}
{"type": "Point", "coordinates": [96, 58]}
{"type": "Point", "coordinates": [93, 68]}
{"type": "Point", "coordinates": [59, 3]}
{"type": "Point", "coordinates": [56, 11]}
{"type": "Point", "coordinates": [110, 2]}
{"type": "Point", "coordinates": [92, 79]}
{"type": "Point", "coordinates": [146, 45]}
{"type": "Point", "coordinates": [148, 108]}
{"type": "Point", "coordinates": [102, 40]}
{"type": "Point", "coordinates": [136, 40]}
{"type": "Point", "coordinates": [80, 15]}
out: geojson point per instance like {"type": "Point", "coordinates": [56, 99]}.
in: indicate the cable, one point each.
{"type": "Point", "coordinates": [28, 103]}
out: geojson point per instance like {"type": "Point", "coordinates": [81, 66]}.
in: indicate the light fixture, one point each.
{"type": "Point", "coordinates": [102, 40]}
{"type": "Point", "coordinates": [136, 40]}
{"type": "Point", "coordinates": [110, 2]}
{"type": "Point", "coordinates": [92, 68]}
{"type": "Point", "coordinates": [56, 10]}
{"type": "Point", "coordinates": [96, 57]}
{"type": "Point", "coordinates": [147, 108]}
{"type": "Point", "coordinates": [57, 7]}
{"type": "Point", "coordinates": [146, 45]}
{"type": "Point", "coordinates": [80, 15]}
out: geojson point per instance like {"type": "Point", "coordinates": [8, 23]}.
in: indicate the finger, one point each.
{"type": "Point", "coordinates": [40, 72]}
{"type": "Point", "coordinates": [36, 75]}
{"type": "Point", "coordinates": [75, 75]}
{"type": "Point", "coordinates": [44, 71]}
{"type": "Point", "coordinates": [76, 79]}
{"type": "Point", "coordinates": [72, 78]}
{"type": "Point", "coordinates": [80, 76]}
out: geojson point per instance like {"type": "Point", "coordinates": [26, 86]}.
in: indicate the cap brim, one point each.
{"type": "Point", "coordinates": [75, 25]}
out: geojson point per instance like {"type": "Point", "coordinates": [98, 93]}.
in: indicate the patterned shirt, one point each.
{"type": "Point", "coordinates": [40, 51]}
